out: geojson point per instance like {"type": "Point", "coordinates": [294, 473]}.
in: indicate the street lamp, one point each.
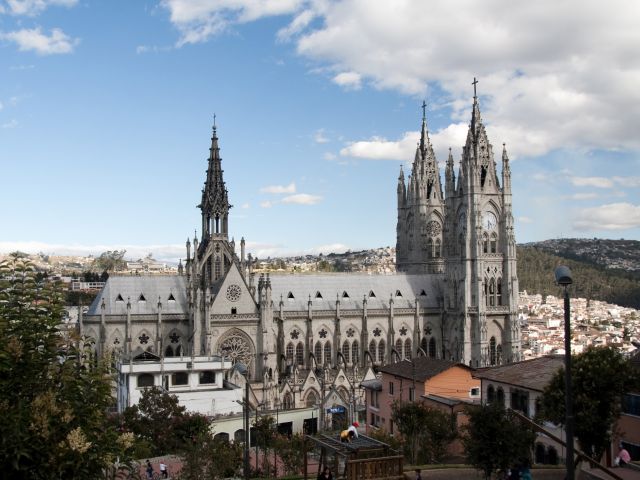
{"type": "Point", "coordinates": [563, 278]}
{"type": "Point", "coordinates": [243, 370]}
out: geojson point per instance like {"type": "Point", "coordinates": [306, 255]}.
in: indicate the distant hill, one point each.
{"type": "Point", "coordinates": [607, 270]}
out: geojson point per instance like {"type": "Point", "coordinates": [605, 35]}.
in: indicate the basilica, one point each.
{"type": "Point", "coordinates": [454, 295]}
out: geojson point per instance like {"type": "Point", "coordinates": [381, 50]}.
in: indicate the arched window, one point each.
{"type": "Point", "coordinates": [346, 351]}
{"type": "Point", "coordinates": [485, 244]}
{"type": "Point", "coordinates": [311, 399]}
{"type": "Point", "coordinates": [438, 249]}
{"type": "Point", "coordinates": [492, 350]}
{"type": "Point", "coordinates": [499, 354]}
{"type": "Point", "coordinates": [398, 349]}
{"type": "Point", "coordinates": [424, 343]}
{"type": "Point", "coordinates": [541, 453]}
{"type": "Point", "coordinates": [382, 350]}
{"type": "Point", "coordinates": [238, 436]}
{"type": "Point", "coordinates": [289, 352]}
{"type": "Point", "coordinates": [218, 268]}
{"type": "Point", "coordinates": [492, 292]}
{"type": "Point", "coordinates": [317, 352]}
{"type": "Point", "coordinates": [145, 380]}
{"type": "Point", "coordinates": [485, 292]}
{"type": "Point", "coordinates": [373, 350]}
{"type": "Point", "coordinates": [432, 347]}
{"type": "Point", "coordinates": [430, 248]}
{"type": "Point", "coordinates": [178, 350]}
{"type": "Point", "coordinates": [300, 353]}
{"type": "Point", "coordinates": [499, 292]}
{"type": "Point", "coordinates": [355, 352]}
{"type": "Point", "coordinates": [500, 396]}
{"type": "Point", "coordinates": [224, 436]}
{"type": "Point", "coordinates": [552, 456]}
{"type": "Point", "coordinates": [494, 243]}
{"type": "Point", "coordinates": [491, 394]}
{"type": "Point", "coordinates": [407, 348]}
{"type": "Point", "coordinates": [168, 352]}
{"type": "Point", "coordinates": [327, 353]}
{"type": "Point", "coordinates": [287, 403]}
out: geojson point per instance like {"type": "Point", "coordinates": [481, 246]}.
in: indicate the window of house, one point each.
{"type": "Point", "coordinates": [390, 388]}
{"type": "Point", "coordinates": [145, 380]}
{"type": "Point", "coordinates": [207, 377]}
{"type": "Point", "coordinates": [412, 394]}
{"type": "Point", "coordinates": [631, 404]}
{"type": "Point", "coordinates": [180, 378]}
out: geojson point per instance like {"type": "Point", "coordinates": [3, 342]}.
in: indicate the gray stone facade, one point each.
{"type": "Point", "coordinates": [306, 338]}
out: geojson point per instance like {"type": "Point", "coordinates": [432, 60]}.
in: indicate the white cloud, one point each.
{"type": "Point", "coordinates": [632, 182]}
{"type": "Point", "coordinates": [614, 216]}
{"type": "Point", "coordinates": [35, 7]}
{"type": "Point", "coordinates": [319, 136]}
{"type": "Point", "coordinates": [291, 188]}
{"type": "Point", "coordinates": [573, 87]}
{"type": "Point", "coordinates": [348, 80]}
{"type": "Point", "coordinates": [261, 250]}
{"type": "Point", "coordinates": [302, 199]}
{"type": "Point", "coordinates": [13, 123]}
{"type": "Point", "coordinates": [378, 148]}
{"type": "Point", "coordinates": [582, 196]}
{"type": "Point", "coordinates": [597, 182]}
{"type": "Point", "coordinates": [33, 39]}
{"type": "Point", "coordinates": [199, 20]}
{"type": "Point", "coordinates": [164, 253]}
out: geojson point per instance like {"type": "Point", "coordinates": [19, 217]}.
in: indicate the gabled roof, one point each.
{"type": "Point", "coordinates": [120, 289]}
{"type": "Point", "coordinates": [295, 290]}
{"type": "Point", "coordinates": [534, 374]}
{"type": "Point", "coordinates": [420, 368]}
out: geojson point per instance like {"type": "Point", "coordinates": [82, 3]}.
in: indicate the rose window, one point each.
{"type": "Point", "coordinates": [233, 293]}
{"type": "Point", "coordinates": [236, 348]}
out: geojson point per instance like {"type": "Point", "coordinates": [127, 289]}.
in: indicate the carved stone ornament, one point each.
{"type": "Point", "coordinates": [233, 292]}
{"type": "Point", "coordinates": [236, 348]}
{"type": "Point", "coordinates": [433, 228]}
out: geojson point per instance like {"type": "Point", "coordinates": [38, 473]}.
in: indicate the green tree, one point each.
{"type": "Point", "coordinates": [161, 424]}
{"type": "Point", "coordinates": [265, 431]}
{"type": "Point", "coordinates": [288, 450]}
{"type": "Point", "coordinates": [427, 431]}
{"type": "Point", "coordinates": [110, 261]}
{"type": "Point", "coordinates": [495, 439]}
{"type": "Point", "coordinates": [600, 377]}
{"type": "Point", "coordinates": [208, 458]}
{"type": "Point", "coordinates": [53, 400]}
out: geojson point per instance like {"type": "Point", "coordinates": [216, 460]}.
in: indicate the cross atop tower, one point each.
{"type": "Point", "coordinates": [424, 109]}
{"type": "Point", "coordinates": [214, 121]}
{"type": "Point", "coordinates": [474, 83]}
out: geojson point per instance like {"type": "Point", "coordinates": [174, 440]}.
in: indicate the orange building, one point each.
{"type": "Point", "coordinates": [439, 383]}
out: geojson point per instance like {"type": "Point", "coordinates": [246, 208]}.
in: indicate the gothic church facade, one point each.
{"type": "Point", "coordinates": [454, 296]}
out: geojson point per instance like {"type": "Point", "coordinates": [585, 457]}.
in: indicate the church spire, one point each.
{"type": "Point", "coordinates": [215, 202]}
{"type": "Point", "coordinates": [424, 134]}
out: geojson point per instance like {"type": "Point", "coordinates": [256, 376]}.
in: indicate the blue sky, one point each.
{"type": "Point", "coordinates": [106, 111]}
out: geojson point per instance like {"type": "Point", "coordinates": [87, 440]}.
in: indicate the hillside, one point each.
{"type": "Point", "coordinates": [607, 270]}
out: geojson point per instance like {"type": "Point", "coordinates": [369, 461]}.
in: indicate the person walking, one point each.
{"type": "Point", "coordinates": [149, 470]}
{"type": "Point", "coordinates": [623, 456]}
{"type": "Point", "coordinates": [163, 469]}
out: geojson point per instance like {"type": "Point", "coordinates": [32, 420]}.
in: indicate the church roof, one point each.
{"type": "Point", "coordinates": [351, 288]}
{"type": "Point", "coordinates": [143, 292]}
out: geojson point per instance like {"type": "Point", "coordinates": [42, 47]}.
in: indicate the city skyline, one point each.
{"type": "Point", "coordinates": [106, 114]}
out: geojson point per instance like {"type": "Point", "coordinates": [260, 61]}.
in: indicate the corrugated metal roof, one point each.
{"type": "Point", "coordinates": [143, 293]}
{"type": "Point", "coordinates": [351, 288]}
{"type": "Point", "coordinates": [420, 368]}
{"type": "Point", "coordinates": [534, 374]}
